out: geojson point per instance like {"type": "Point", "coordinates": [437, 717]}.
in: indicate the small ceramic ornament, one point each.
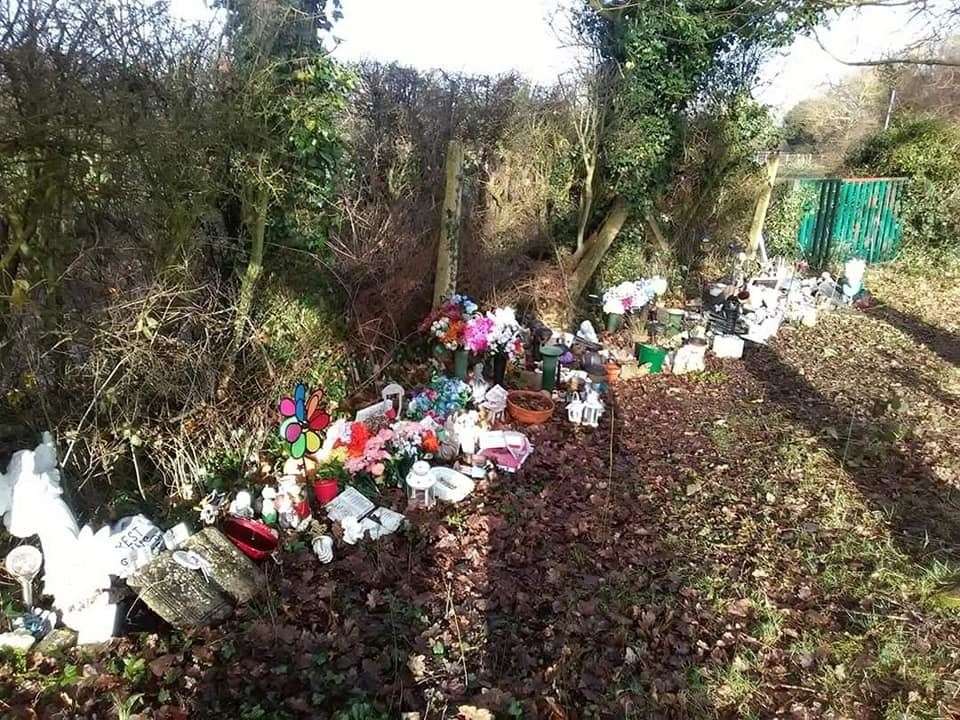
{"type": "Point", "coordinates": [268, 512]}
{"type": "Point", "coordinates": [495, 403]}
{"type": "Point", "coordinates": [587, 332]}
{"type": "Point", "coordinates": [467, 431]}
{"type": "Point", "coordinates": [210, 508]}
{"type": "Point", "coordinates": [479, 385]}
{"type": "Point", "coordinates": [242, 505]}
{"type": "Point", "coordinates": [323, 547]}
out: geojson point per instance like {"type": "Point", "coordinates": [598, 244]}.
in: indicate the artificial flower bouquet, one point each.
{"type": "Point", "coordinates": [367, 451]}
{"type": "Point", "coordinates": [386, 456]}
{"type": "Point", "coordinates": [503, 333]}
{"type": "Point", "coordinates": [632, 295]}
{"type": "Point", "coordinates": [441, 398]}
{"type": "Point", "coordinates": [447, 324]}
{"type": "Point", "coordinates": [413, 440]}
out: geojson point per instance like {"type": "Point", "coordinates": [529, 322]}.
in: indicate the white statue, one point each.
{"type": "Point", "coordinates": [77, 564]}
{"type": "Point", "coordinates": [587, 332]}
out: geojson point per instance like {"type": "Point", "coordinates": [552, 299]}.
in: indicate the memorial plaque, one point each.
{"type": "Point", "coordinates": [189, 598]}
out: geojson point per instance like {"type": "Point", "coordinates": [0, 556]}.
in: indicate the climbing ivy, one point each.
{"type": "Point", "coordinates": [671, 58]}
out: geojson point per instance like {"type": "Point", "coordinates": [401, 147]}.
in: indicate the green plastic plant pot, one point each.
{"type": "Point", "coordinates": [461, 362]}
{"type": "Point", "coordinates": [550, 354]}
{"type": "Point", "coordinates": [613, 321]}
{"type": "Point", "coordinates": [653, 356]}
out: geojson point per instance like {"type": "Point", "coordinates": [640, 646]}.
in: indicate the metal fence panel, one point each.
{"type": "Point", "coordinates": [851, 217]}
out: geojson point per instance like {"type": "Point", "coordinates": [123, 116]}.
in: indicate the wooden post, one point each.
{"type": "Point", "coordinates": [763, 204]}
{"type": "Point", "coordinates": [448, 248]}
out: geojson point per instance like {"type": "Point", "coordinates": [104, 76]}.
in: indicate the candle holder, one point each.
{"type": "Point", "coordinates": [24, 563]}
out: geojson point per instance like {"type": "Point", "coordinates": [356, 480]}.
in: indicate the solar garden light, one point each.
{"type": "Point", "coordinates": [24, 564]}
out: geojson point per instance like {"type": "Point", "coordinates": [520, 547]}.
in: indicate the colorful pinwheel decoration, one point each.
{"type": "Point", "coordinates": [302, 420]}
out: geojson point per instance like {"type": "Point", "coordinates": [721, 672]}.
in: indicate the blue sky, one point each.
{"type": "Point", "coordinates": [496, 36]}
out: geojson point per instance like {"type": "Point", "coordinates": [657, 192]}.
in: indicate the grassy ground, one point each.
{"type": "Point", "coordinates": [777, 537]}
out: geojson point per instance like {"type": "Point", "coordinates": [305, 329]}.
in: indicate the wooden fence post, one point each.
{"type": "Point", "coordinates": [763, 204]}
{"type": "Point", "coordinates": [448, 248]}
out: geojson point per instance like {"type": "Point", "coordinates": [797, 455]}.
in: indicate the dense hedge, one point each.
{"type": "Point", "coordinates": [926, 150]}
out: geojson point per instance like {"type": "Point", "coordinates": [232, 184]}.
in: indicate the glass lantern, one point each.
{"type": "Point", "coordinates": [592, 409]}
{"type": "Point", "coordinates": [420, 486]}
{"type": "Point", "coordinates": [575, 410]}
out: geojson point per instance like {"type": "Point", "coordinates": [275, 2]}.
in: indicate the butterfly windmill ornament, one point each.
{"type": "Point", "coordinates": [303, 419]}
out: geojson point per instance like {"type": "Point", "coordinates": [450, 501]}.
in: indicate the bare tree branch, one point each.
{"type": "Point", "coordinates": [939, 61]}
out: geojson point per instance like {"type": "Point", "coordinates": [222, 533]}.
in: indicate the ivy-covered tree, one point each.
{"type": "Point", "coordinates": [669, 58]}
{"type": "Point", "coordinates": [284, 94]}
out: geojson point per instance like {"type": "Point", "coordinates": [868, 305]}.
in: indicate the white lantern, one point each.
{"type": "Point", "coordinates": [575, 410]}
{"type": "Point", "coordinates": [592, 409]}
{"type": "Point", "coordinates": [420, 484]}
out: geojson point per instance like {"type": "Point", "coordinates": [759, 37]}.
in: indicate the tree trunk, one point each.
{"type": "Point", "coordinates": [586, 206]}
{"type": "Point", "coordinates": [763, 204]}
{"type": "Point", "coordinates": [255, 219]}
{"type": "Point", "coordinates": [662, 244]}
{"type": "Point", "coordinates": [448, 247]}
{"type": "Point", "coordinates": [597, 246]}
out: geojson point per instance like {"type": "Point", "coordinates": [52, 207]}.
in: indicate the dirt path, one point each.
{"type": "Point", "coordinates": [770, 538]}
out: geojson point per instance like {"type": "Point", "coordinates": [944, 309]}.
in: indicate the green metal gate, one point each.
{"type": "Point", "coordinates": [851, 218]}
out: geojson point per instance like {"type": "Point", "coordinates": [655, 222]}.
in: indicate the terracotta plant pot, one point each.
{"type": "Point", "coordinates": [528, 407]}
{"type": "Point", "coordinates": [612, 371]}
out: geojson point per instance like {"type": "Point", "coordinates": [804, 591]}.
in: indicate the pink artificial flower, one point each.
{"type": "Point", "coordinates": [377, 469]}
{"type": "Point", "coordinates": [476, 336]}
{"type": "Point", "coordinates": [355, 465]}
